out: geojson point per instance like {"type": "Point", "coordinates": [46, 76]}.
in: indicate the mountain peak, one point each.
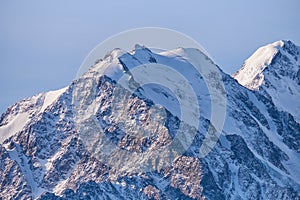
{"type": "Point", "coordinates": [252, 75]}
{"type": "Point", "coordinates": [275, 69]}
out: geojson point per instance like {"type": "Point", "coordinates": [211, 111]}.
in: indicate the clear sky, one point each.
{"type": "Point", "coordinates": [42, 43]}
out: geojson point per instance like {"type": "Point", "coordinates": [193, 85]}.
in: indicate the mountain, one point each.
{"type": "Point", "coordinates": [96, 139]}
{"type": "Point", "coordinates": [274, 70]}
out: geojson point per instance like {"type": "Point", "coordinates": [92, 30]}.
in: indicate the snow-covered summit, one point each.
{"type": "Point", "coordinates": [252, 74]}
{"type": "Point", "coordinates": [112, 64]}
{"type": "Point", "coordinates": [275, 69]}
{"type": "Point", "coordinates": [119, 63]}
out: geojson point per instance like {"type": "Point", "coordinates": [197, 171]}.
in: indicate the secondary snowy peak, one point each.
{"type": "Point", "coordinates": [252, 74]}
{"type": "Point", "coordinates": [275, 71]}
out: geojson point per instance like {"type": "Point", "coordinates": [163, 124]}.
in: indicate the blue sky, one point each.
{"type": "Point", "coordinates": [43, 43]}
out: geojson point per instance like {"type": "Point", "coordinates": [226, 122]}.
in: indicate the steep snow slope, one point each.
{"type": "Point", "coordinates": [17, 116]}
{"type": "Point", "coordinates": [86, 142]}
{"type": "Point", "coordinates": [14, 126]}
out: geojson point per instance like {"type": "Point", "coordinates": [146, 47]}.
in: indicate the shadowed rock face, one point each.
{"type": "Point", "coordinates": [256, 156]}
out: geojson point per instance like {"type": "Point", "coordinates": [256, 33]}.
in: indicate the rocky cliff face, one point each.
{"type": "Point", "coordinates": [97, 140]}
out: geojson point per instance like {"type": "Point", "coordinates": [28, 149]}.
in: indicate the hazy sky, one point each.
{"type": "Point", "coordinates": [42, 43]}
